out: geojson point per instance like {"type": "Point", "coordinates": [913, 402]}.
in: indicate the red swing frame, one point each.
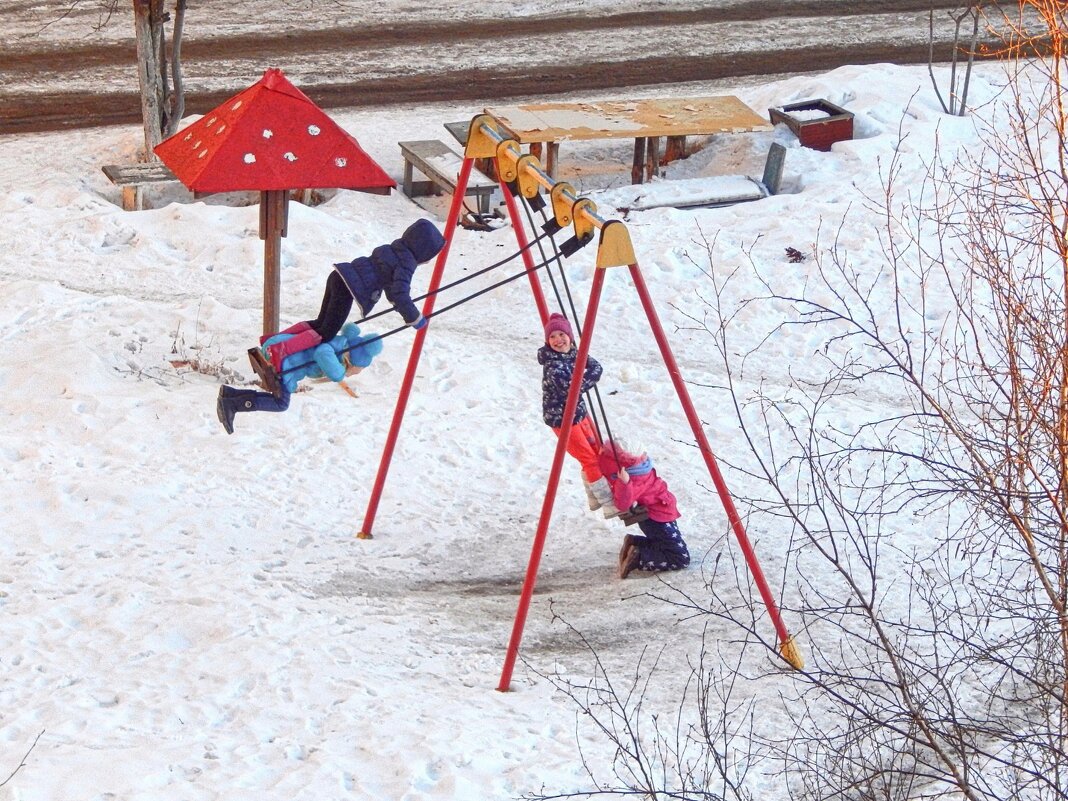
{"type": "Point", "coordinates": [486, 139]}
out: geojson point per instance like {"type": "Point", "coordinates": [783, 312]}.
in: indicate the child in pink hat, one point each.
{"type": "Point", "coordinates": [557, 358]}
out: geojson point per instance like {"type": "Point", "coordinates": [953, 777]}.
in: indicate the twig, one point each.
{"type": "Point", "coordinates": [22, 763]}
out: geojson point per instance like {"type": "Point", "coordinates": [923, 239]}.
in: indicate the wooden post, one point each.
{"type": "Point", "coordinates": [674, 149]}
{"type": "Point", "coordinates": [274, 213]}
{"type": "Point", "coordinates": [637, 169]}
{"type": "Point", "coordinates": [551, 159]}
{"type": "Point", "coordinates": [547, 153]}
{"type": "Point", "coordinates": [652, 158]}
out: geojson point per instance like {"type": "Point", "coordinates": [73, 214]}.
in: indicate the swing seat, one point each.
{"type": "Point", "coordinates": [635, 514]}
{"type": "Point", "coordinates": [265, 370]}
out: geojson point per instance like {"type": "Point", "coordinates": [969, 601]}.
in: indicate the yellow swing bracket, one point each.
{"type": "Point", "coordinates": [487, 139]}
{"type": "Point", "coordinates": [563, 197]}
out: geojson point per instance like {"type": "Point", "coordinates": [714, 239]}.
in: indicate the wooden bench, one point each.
{"type": "Point", "coordinates": [132, 177]}
{"type": "Point", "coordinates": [441, 164]}
{"type": "Point", "coordinates": [691, 193]}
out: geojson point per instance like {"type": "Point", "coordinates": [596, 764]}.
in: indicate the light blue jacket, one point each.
{"type": "Point", "coordinates": [325, 359]}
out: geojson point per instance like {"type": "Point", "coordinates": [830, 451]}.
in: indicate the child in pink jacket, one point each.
{"type": "Point", "coordinates": [634, 482]}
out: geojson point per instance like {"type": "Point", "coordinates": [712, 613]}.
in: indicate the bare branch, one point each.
{"type": "Point", "coordinates": [22, 762]}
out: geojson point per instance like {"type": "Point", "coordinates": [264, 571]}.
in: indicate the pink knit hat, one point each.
{"type": "Point", "coordinates": [557, 322]}
{"type": "Point", "coordinates": [626, 453]}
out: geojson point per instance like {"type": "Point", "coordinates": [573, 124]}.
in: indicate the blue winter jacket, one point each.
{"type": "Point", "coordinates": [325, 359]}
{"type": "Point", "coordinates": [557, 369]}
{"type": "Point", "coordinates": [390, 268]}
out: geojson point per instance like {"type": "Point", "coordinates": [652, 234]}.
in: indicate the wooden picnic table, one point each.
{"type": "Point", "coordinates": [645, 121]}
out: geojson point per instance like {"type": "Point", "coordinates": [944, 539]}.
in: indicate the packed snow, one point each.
{"type": "Point", "coordinates": [189, 615]}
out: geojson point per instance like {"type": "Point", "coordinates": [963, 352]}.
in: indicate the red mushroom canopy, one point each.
{"type": "Point", "coordinates": [271, 136]}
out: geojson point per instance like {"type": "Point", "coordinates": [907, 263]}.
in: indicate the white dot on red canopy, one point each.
{"type": "Point", "coordinates": [267, 133]}
{"type": "Point", "coordinates": [341, 161]}
{"type": "Point", "coordinates": [250, 158]}
{"type": "Point", "coordinates": [313, 130]}
{"type": "Point", "coordinates": [289, 157]}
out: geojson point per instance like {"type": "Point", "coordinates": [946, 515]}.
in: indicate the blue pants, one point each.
{"type": "Point", "coordinates": [663, 548]}
{"type": "Point", "coordinates": [249, 400]}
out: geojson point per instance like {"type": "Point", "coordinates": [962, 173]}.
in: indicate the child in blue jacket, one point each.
{"type": "Point", "coordinates": [346, 354]}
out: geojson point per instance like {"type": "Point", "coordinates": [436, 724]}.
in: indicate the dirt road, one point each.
{"type": "Point", "coordinates": [470, 59]}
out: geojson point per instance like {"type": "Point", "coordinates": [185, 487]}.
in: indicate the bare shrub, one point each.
{"type": "Point", "coordinates": [201, 357]}
{"type": "Point", "coordinates": [915, 463]}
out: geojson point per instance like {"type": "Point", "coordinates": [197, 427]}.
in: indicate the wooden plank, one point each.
{"type": "Point", "coordinates": [773, 167]}
{"type": "Point", "coordinates": [459, 130]}
{"type": "Point", "coordinates": [141, 173]}
{"type": "Point", "coordinates": [438, 161]}
{"type": "Point", "coordinates": [131, 177]}
{"type": "Point", "coordinates": [720, 190]}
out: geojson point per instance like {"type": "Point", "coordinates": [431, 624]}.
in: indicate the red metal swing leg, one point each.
{"type": "Point", "coordinates": [417, 349]}
{"type": "Point", "coordinates": [428, 308]}
{"type": "Point", "coordinates": [787, 648]}
{"type": "Point", "coordinates": [528, 260]}
{"type": "Point", "coordinates": [554, 481]}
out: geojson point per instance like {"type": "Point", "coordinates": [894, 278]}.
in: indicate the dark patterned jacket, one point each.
{"type": "Point", "coordinates": [557, 369]}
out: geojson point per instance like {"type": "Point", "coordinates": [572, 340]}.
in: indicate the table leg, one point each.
{"type": "Point", "coordinates": [406, 182]}
{"type": "Point", "coordinates": [652, 158]}
{"type": "Point", "coordinates": [637, 169]}
{"type": "Point", "coordinates": [552, 158]}
{"type": "Point", "coordinates": [487, 167]}
{"type": "Point", "coordinates": [674, 149]}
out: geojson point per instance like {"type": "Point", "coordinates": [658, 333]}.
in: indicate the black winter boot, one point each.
{"type": "Point", "coordinates": [230, 402]}
{"type": "Point", "coordinates": [225, 409]}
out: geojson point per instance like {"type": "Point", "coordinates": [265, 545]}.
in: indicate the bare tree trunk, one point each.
{"type": "Point", "coordinates": [149, 75]}
{"type": "Point", "coordinates": [958, 102]}
{"type": "Point", "coordinates": [176, 97]}
{"type": "Point", "coordinates": [162, 105]}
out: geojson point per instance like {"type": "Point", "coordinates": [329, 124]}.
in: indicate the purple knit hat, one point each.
{"type": "Point", "coordinates": [557, 322]}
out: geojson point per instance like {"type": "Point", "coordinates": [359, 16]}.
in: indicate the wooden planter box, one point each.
{"type": "Point", "coordinates": [815, 130]}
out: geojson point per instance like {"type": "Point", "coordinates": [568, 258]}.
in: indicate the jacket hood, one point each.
{"type": "Point", "coordinates": [423, 239]}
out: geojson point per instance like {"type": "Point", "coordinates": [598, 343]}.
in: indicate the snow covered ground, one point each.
{"type": "Point", "coordinates": [186, 615]}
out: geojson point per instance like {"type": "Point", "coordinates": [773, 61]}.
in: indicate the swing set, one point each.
{"type": "Point", "coordinates": [522, 174]}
